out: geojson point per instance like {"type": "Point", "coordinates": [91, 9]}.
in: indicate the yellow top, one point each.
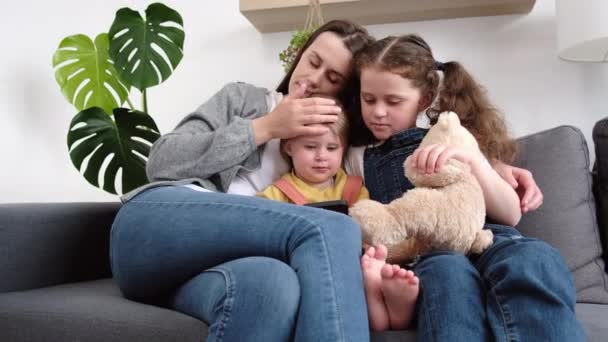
{"type": "Point", "coordinates": [312, 194]}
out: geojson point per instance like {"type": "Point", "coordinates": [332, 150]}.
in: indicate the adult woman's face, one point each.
{"type": "Point", "coordinates": [324, 67]}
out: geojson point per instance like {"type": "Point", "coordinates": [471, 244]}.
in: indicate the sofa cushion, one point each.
{"type": "Point", "coordinates": [90, 311]}
{"type": "Point", "coordinates": [600, 179]}
{"type": "Point", "coordinates": [593, 318]}
{"type": "Point", "coordinates": [559, 160]}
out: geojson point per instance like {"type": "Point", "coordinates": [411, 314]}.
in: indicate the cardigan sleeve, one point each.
{"type": "Point", "coordinates": [217, 136]}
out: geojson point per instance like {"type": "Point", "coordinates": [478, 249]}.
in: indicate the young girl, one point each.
{"type": "Point", "coordinates": [316, 169]}
{"type": "Point", "coordinates": [503, 294]}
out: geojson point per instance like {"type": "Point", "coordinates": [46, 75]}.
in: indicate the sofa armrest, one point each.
{"type": "Point", "coordinates": [600, 179]}
{"type": "Point", "coordinates": [44, 244]}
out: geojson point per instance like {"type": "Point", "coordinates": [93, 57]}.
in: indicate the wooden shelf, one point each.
{"type": "Point", "coordinates": [289, 15]}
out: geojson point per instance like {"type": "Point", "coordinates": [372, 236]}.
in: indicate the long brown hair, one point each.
{"type": "Point", "coordinates": [355, 38]}
{"type": "Point", "coordinates": [411, 57]}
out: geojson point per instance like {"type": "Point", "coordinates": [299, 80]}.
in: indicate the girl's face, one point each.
{"type": "Point", "coordinates": [324, 66]}
{"type": "Point", "coordinates": [389, 102]}
{"type": "Point", "coordinates": [316, 159]}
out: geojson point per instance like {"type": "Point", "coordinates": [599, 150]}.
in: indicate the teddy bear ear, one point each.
{"type": "Point", "coordinates": [444, 120]}
{"type": "Point", "coordinates": [453, 118]}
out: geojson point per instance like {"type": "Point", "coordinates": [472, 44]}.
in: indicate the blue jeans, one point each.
{"type": "Point", "coordinates": [253, 269]}
{"type": "Point", "coordinates": [517, 290]}
{"type": "Point", "coordinates": [520, 289]}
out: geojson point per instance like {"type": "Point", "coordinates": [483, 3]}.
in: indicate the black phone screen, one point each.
{"type": "Point", "coordinates": [340, 206]}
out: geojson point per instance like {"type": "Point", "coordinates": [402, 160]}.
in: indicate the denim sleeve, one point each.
{"type": "Point", "coordinates": [217, 136]}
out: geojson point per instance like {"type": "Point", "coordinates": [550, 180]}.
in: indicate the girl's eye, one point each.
{"type": "Point", "coordinates": [332, 148]}
{"type": "Point", "coordinates": [309, 147]}
{"type": "Point", "coordinates": [394, 101]}
{"type": "Point", "coordinates": [315, 64]}
{"type": "Point", "coordinates": [368, 100]}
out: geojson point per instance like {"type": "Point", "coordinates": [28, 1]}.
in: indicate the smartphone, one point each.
{"type": "Point", "coordinates": [340, 206]}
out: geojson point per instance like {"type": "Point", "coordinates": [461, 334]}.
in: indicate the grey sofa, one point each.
{"type": "Point", "coordinates": [55, 280]}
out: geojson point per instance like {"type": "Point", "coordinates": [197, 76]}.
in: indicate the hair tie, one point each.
{"type": "Point", "coordinates": [439, 66]}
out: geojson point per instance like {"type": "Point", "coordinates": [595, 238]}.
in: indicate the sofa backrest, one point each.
{"type": "Point", "coordinates": [43, 244]}
{"type": "Point", "coordinates": [559, 160]}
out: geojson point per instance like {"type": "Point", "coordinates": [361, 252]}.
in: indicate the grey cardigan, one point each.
{"type": "Point", "coordinates": [209, 146]}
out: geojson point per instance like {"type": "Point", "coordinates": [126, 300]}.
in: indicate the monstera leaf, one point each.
{"type": "Point", "coordinates": [127, 139]}
{"type": "Point", "coordinates": [86, 75]}
{"type": "Point", "coordinates": [145, 52]}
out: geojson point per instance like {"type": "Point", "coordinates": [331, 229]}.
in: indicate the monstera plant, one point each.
{"type": "Point", "coordinates": [105, 139]}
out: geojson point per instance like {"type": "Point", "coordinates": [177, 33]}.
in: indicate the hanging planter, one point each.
{"type": "Point", "coordinates": [314, 19]}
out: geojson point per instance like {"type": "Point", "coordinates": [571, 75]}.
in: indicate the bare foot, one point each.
{"type": "Point", "coordinates": [371, 264]}
{"type": "Point", "coordinates": [400, 290]}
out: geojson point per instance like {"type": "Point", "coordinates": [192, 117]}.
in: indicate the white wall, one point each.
{"type": "Point", "coordinates": [513, 56]}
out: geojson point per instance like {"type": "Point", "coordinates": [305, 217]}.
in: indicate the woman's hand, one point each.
{"type": "Point", "coordinates": [530, 195]}
{"type": "Point", "coordinates": [296, 115]}
{"type": "Point", "coordinates": [431, 158]}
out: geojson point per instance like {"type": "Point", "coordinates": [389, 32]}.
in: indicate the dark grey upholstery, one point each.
{"type": "Point", "coordinates": [50, 244]}
{"type": "Point", "coordinates": [47, 244]}
{"type": "Point", "coordinates": [559, 160]}
{"type": "Point", "coordinates": [90, 311]}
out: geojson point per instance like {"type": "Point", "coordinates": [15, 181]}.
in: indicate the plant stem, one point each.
{"type": "Point", "coordinates": [144, 99]}
{"type": "Point", "coordinates": [130, 104]}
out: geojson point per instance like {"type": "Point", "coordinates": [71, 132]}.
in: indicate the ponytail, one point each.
{"type": "Point", "coordinates": [461, 94]}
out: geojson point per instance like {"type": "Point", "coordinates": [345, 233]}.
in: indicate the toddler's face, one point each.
{"type": "Point", "coordinates": [316, 159]}
{"type": "Point", "coordinates": [389, 102]}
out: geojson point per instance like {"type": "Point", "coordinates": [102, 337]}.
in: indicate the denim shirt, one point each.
{"type": "Point", "coordinates": [383, 165]}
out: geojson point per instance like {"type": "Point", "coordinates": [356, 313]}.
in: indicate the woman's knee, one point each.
{"type": "Point", "coordinates": [266, 282]}
{"type": "Point", "coordinates": [340, 228]}
{"type": "Point", "coordinates": [241, 288]}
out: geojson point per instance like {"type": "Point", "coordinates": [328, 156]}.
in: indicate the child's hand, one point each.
{"type": "Point", "coordinates": [431, 158]}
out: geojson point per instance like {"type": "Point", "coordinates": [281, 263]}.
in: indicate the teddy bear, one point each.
{"type": "Point", "coordinates": [445, 210]}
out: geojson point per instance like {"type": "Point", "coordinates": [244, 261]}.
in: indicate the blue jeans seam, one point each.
{"type": "Point", "coordinates": [228, 302]}
{"type": "Point", "coordinates": [504, 310]}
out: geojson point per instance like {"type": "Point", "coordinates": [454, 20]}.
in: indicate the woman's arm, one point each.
{"type": "Point", "coordinates": [229, 127]}
{"type": "Point", "coordinates": [217, 136]}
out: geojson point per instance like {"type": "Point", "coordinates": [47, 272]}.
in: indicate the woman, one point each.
{"type": "Point", "coordinates": [253, 269]}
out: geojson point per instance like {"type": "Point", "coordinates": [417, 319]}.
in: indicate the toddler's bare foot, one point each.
{"type": "Point", "coordinates": [371, 264]}
{"type": "Point", "coordinates": [400, 290]}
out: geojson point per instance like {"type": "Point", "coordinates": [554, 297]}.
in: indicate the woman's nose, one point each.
{"type": "Point", "coordinates": [315, 78]}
